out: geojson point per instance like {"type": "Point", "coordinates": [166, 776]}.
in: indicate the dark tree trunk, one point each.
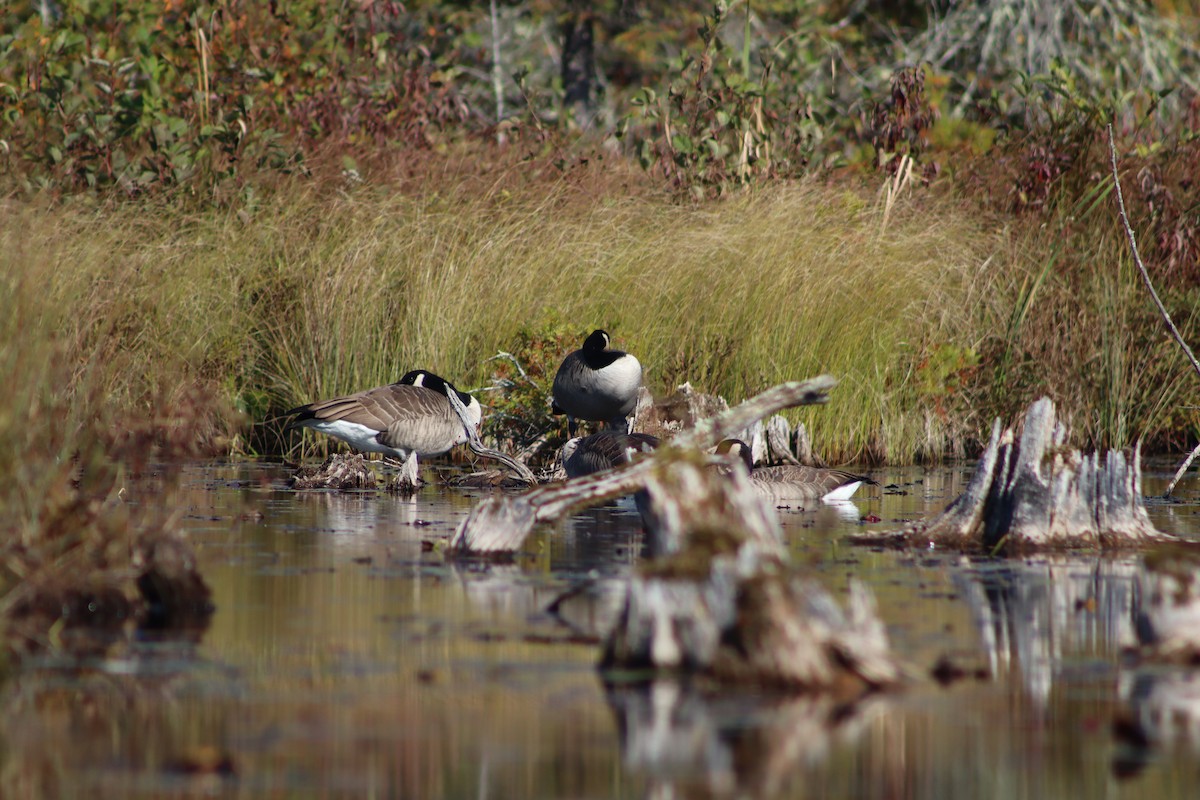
{"type": "Point", "coordinates": [579, 65]}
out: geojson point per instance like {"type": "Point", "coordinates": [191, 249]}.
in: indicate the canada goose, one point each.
{"type": "Point", "coordinates": [600, 451]}
{"type": "Point", "coordinates": [417, 415]}
{"type": "Point", "coordinates": [790, 482]}
{"type": "Point", "coordinates": [595, 383]}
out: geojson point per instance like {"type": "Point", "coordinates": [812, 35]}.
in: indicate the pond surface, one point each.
{"type": "Point", "coordinates": [348, 658]}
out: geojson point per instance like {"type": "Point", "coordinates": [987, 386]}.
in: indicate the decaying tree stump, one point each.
{"type": "Point", "coordinates": [724, 603]}
{"type": "Point", "coordinates": [341, 471]}
{"type": "Point", "coordinates": [500, 524]}
{"type": "Point", "coordinates": [1036, 493]}
{"type": "Point", "coordinates": [1168, 624]}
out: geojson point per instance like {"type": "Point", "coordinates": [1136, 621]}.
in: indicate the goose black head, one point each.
{"type": "Point", "coordinates": [598, 340]}
{"type": "Point", "coordinates": [425, 378]}
{"type": "Point", "coordinates": [738, 449]}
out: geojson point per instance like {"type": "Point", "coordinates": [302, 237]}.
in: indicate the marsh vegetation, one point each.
{"type": "Point", "coordinates": [209, 215]}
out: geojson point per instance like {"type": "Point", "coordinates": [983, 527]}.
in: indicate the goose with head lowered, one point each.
{"type": "Point", "coordinates": [792, 482]}
{"type": "Point", "coordinates": [422, 414]}
{"type": "Point", "coordinates": [598, 384]}
{"type": "Point", "coordinates": [586, 455]}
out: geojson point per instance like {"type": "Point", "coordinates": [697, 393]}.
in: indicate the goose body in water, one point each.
{"type": "Point", "coordinates": [795, 483]}
{"type": "Point", "coordinates": [415, 416]}
{"type": "Point", "coordinates": [598, 384]}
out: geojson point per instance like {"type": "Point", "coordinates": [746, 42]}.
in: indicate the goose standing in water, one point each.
{"type": "Point", "coordinates": [795, 483]}
{"type": "Point", "coordinates": [417, 415]}
{"type": "Point", "coordinates": [601, 451]}
{"type": "Point", "coordinates": [598, 384]}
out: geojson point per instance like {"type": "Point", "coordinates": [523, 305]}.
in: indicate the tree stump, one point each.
{"type": "Point", "coordinates": [1036, 493]}
{"type": "Point", "coordinates": [724, 604]}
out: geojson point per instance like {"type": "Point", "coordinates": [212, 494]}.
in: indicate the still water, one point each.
{"type": "Point", "coordinates": [348, 658]}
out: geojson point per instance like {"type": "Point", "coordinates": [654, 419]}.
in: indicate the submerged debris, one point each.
{"type": "Point", "coordinates": [1037, 493]}
{"type": "Point", "coordinates": [341, 471]}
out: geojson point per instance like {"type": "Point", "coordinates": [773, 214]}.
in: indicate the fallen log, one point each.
{"type": "Point", "coordinates": [1037, 493]}
{"type": "Point", "coordinates": [500, 524]}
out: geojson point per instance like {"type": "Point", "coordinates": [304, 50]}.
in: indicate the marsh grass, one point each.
{"type": "Point", "coordinates": [779, 285]}
{"type": "Point", "coordinates": [933, 316]}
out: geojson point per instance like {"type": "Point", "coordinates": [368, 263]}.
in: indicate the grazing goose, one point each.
{"type": "Point", "coordinates": [417, 415]}
{"type": "Point", "coordinates": [790, 482]}
{"type": "Point", "coordinates": [600, 451]}
{"type": "Point", "coordinates": [595, 383]}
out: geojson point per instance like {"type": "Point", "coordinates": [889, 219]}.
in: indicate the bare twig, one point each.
{"type": "Point", "coordinates": [1187, 462]}
{"type": "Point", "coordinates": [1162, 310]}
{"type": "Point", "coordinates": [502, 354]}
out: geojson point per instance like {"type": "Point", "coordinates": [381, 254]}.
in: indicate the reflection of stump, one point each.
{"type": "Point", "coordinates": [1036, 493]}
{"type": "Point", "coordinates": [340, 471]}
{"type": "Point", "coordinates": [689, 743]}
{"type": "Point", "coordinates": [1168, 624]}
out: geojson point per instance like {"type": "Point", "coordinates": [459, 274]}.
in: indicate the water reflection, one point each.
{"type": "Point", "coordinates": [347, 658]}
{"type": "Point", "coordinates": [688, 743]}
{"type": "Point", "coordinates": [1162, 712]}
{"type": "Point", "coordinates": [1034, 616]}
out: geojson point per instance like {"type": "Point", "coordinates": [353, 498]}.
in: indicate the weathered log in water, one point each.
{"type": "Point", "coordinates": [1037, 493]}
{"type": "Point", "coordinates": [724, 603]}
{"type": "Point", "coordinates": [1168, 623]}
{"type": "Point", "coordinates": [683, 495]}
{"type": "Point", "coordinates": [341, 471]}
{"type": "Point", "coordinates": [500, 524]}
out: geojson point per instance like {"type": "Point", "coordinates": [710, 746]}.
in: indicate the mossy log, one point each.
{"type": "Point", "coordinates": [500, 524]}
{"type": "Point", "coordinates": [1037, 493]}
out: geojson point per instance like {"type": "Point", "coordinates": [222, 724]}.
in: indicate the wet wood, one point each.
{"type": "Point", "coordinates": [340, 471]}
{"type": "Point", "coordinates": [723, 602]}
{"type": "Point", "coordinates": [778, 433]}
{"type": "Point", "coordinates": [500, 524]}
{"type": "Point", "coordinates": [1035, 493]}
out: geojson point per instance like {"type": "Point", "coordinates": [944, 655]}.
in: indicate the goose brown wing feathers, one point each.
{"type": "Point", "coordinates": [381, 408]}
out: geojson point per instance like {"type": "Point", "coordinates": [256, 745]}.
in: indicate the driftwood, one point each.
{"type": "Point", "coordinates": [500, 524]}
{"type": "Point", "coordinates": [1036, 493]}
{"type": "Point", "coordinates": [1168, 623]}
